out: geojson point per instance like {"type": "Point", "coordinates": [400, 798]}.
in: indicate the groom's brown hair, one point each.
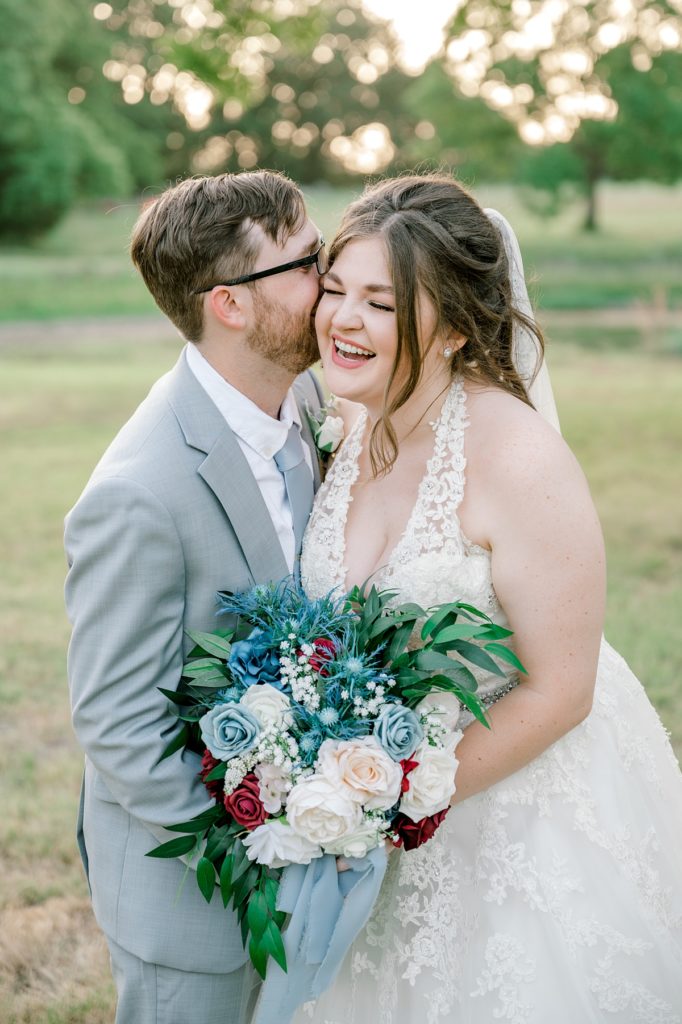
{"type": "Point", "coordinates": [197, 233]}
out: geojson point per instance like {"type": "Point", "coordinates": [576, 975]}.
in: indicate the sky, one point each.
{"type": "Point", "coordinates": [418, 24]}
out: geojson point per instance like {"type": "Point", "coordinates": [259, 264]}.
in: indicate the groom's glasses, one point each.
{"type": "Point", "coordinates": [319, 258]}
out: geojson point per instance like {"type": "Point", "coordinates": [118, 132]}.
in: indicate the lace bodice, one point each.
{"type": "Point", "coordinates": [433, 561]}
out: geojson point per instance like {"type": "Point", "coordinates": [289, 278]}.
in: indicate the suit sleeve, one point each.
{"type": "Point", "coordinates": [125, 599]}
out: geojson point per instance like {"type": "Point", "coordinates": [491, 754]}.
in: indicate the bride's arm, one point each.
{"type": "Point", "coordinates": [549, 575]}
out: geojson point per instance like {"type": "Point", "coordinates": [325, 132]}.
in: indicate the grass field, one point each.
{"type": "Point", "coordinates": [59, 407]}
{"type": "Point", "coordinates": [82, 268]}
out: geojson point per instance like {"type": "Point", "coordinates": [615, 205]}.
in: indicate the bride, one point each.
{"type": "Point", "coordinates": [552, 892]}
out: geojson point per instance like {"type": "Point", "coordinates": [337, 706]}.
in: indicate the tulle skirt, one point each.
{"type": "Point", "coordinates": [555, 897]}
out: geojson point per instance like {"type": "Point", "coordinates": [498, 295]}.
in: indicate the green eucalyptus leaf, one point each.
{"type": "Point", "coordinates": [399, 642]}
{"type": "Point", "coordinates": [271, 889]}
{"type": "Point", "coordinates": [177, 743]}
{"type": "Point", "coordinates": [491, 631]}
{"type": "Point", "coordinates": [272, 942]}
{"type": "Point", "coordinates": [438, 619]}
{"type": "Point", "coordinates": [226, 879]}
{"type": "Point", "coordinates": [434, 661]}
{"type": "Point", "coordinates": [219, 842]}
{"type": "Point", "coordinates": [241, 861]}
{"type": "Point", "coordinates": [469, 611]}
{"type": "Point", "coordinates": [502, 652]}
{"type": "Point", "coordinates": [179, 697]}
{"type": "Point", "coordinates": [212, 643]}
{"type": "Point", "coordinates": [477, 656]}
{"type": "Point", "coordinates": [216, 773]}
{"type": "Point", "coordinates": [259, 956]}
{"type": "Point", "coordinates": [460, 631]}
{"type": "Point", "coordinates": [198, 824]}
{"type": "Point", "coordinates": [197, 666]}
{"type": "Point", "coordinates": [474, 705]}
{"type": "Point", "coordinates": [175, 847]}
{"type": "Point", "coordinates": [243, 923]}
{"type": "Point", "coordinates": [206, 878]}
{"type": "Point", "coordinates": [258, 915]}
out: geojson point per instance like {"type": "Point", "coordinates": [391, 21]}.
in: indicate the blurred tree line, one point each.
{"type": "Point", "coordinates": [103, 99]}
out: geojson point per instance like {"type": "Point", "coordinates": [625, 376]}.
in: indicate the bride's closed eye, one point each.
{"type": "Point", "coordinates": [326, 290]}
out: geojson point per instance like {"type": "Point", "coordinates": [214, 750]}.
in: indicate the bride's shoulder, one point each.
{"type": "Point", "coordinates": [508, 438]}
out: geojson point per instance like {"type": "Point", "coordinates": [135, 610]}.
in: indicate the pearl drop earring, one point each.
{"type": "Point", "coordinates": [448, 352]}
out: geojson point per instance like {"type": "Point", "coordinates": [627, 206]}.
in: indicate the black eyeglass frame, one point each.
{"type": "Point", "coordinates": [305, 261]}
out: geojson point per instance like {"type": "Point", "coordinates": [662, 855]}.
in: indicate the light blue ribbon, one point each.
{"type": "Point", "coordinates": [329, 908]}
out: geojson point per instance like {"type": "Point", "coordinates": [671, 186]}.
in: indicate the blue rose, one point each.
{"type": "Point", "coordinates": [254, 661]}
{"type": "Point", "coordinates": [399, 731]}
{"type": "Point", "coordinates": [229, 730]}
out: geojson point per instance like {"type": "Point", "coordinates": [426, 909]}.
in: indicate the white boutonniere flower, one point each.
{"type": "Point", "coordinates": [326, 427]}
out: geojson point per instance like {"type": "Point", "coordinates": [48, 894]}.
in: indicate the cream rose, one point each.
{"type": "Point", "coordinates": [275, 844]}
{"type": "Point", "coordinates": [370, 776]}
{"type": "Point", "coordinates": [320, 812]}
{"type": "Point", "coordinates": [269, 705]}
{"type": "Point", "coordinates": [331, 434]}
{"type": "Point", "coordinates": [357, 843]}
{"type": "Point", "coordinates": [432, 783]}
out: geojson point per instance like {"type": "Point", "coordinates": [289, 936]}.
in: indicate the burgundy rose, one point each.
{"type": "Point", "coordinates": [407, 766]}
{"type": "Point", "coordinates": [214, 786]}
{"type": "Point", "coordinates": [412, 834]}
{"type": "Point", "coordinates": [245, 804]}
{"type": "Point", "coordinates": [324, 651]}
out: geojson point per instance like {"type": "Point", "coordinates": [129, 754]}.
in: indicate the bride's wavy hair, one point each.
{"type": "Point", "coordinates": [438, 239]}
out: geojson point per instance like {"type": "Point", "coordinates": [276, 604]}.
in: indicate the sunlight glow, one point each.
{"type": "Point", "coordinates": [419, 27]}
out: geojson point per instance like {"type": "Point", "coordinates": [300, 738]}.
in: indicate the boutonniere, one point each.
{"type": "Point", "coordinates": [327, 429]}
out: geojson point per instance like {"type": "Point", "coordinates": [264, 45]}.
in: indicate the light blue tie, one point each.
{"type": "Point", "coordinates": [290, 461]}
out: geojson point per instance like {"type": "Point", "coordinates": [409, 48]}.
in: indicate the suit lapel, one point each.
{"type": "Point", "coordinates": [229, 476]}
{"type": "Point", "coordinates": [306, 433]}
{"type": "Point", "coordinates": [226, 471]}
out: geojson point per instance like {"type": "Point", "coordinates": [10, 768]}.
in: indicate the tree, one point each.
{"type": "Point", "coordinates": [644, 140]}
{"type": "Point", "coordinates": [579, 78]}
{"type": "Point", "coordinates": [48, 150]}
{"type": "Point", "coordinates": [283, 83]}
{"type": "Point", "coordinates": [456, 132]}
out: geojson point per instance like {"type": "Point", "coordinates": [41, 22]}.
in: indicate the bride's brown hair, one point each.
{"type": "Point", "coordinates": [438, 238]}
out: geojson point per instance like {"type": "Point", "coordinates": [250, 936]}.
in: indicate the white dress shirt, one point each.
{"type": "Point", "coordinates": [260, 437]}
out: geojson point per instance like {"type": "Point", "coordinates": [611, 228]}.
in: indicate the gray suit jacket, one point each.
{"type": "Point", "coordinates": [170, 516]}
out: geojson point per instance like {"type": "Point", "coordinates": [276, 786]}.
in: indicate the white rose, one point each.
{"type": "Point", "coordinates": [445, 704]}
{"type": "Point", "coordinates": [331, 434]}
{"type": "Point", "coordinates": [268, 704]}
{"type": "Point", "coordinates": [432, 783]}
{"type": "Point", "coordinates": [275, 844]}
{"type": "Point", "coordinates": [273, 786]}
{"type": "Point", "coordinates": [363, 767]}
{"type": "Point", "coordinates": [357, 843]}
{"type": "Point", "coordinates": [320, 812]}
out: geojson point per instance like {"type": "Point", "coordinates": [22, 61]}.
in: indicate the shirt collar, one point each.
{"type": "Point", "coordinates": [254, 427]}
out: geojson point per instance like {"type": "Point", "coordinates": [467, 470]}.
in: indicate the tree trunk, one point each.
{"type": "Point", "coordinates": [590, 222]}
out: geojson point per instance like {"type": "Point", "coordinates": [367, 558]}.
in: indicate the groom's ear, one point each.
{"type": "Point", "coordinates": [228, 307]}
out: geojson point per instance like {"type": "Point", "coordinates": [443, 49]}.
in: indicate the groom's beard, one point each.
{"type": "Point", "coordinates": [285, 338]}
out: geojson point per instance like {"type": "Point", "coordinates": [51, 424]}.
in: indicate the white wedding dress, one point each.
{"type": "Point", "coordinates": [555, 897]}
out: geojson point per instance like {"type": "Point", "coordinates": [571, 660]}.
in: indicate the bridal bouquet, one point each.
{"type": "Point", "coordinates": [321, 732]}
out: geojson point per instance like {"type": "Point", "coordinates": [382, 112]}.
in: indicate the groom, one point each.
{"type": "Point", "coordinates": [207, 488]}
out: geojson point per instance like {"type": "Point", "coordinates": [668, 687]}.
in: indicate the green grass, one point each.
{"type": "Point", "coordinates": [82, 268]}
